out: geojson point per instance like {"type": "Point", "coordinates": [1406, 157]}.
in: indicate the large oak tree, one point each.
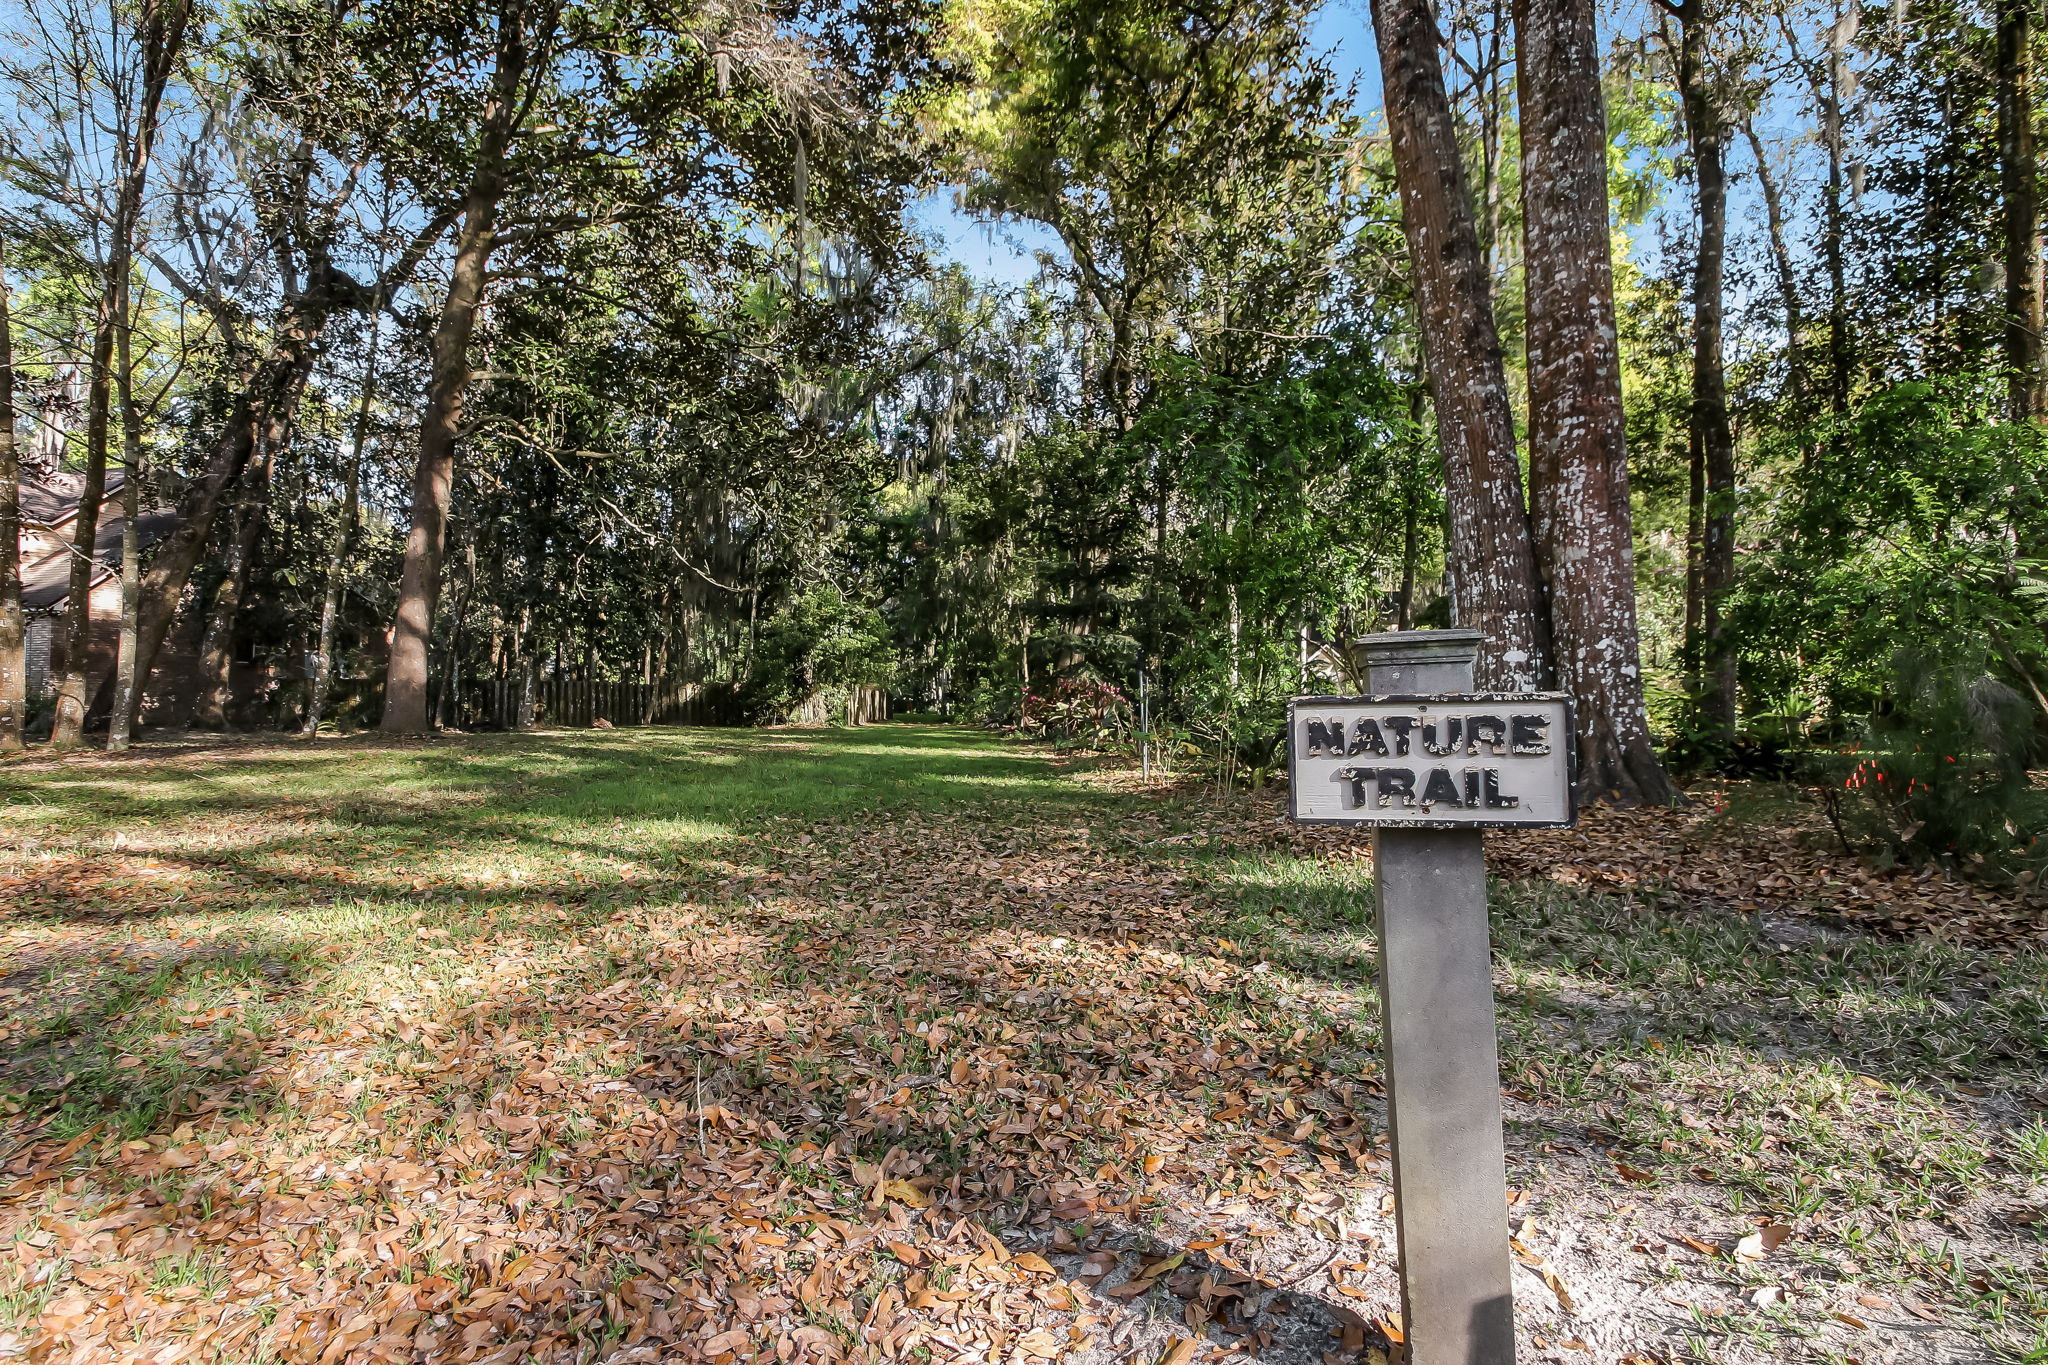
{"type": "Point", "coordinates": [1578, 457]}
{"type": "Point", "coordinates": [1493, 557]}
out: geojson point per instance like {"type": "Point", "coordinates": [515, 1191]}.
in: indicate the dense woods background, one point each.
{"type": "Point", "coordinates": [441, 356]}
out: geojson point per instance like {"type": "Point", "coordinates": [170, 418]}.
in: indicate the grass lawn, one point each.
{"type": "Point", "coordinates": [904, 1044]}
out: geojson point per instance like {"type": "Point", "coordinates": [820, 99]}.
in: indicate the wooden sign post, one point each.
{"type": "Point", "coordinates": [1428, 763]}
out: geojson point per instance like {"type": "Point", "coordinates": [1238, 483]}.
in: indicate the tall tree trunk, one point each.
{"type": "Point", "coordinates": [161, 36]}
{"type": "Point", "coordinates": [69, 727]}
{"type": "Point", "coordinates": [1712, 441]}
{"type": "Point", "coordinates": [529, 671]}
{"type": "Point", "coordinates": [1411, 512]}
{"type": "Point", "coordinates": [1491, 138]}
{"type": "Point", "coordinates": [63, 394]}
{"type": "Point", "coordinates": [1695, 566]}
{"type": "Point", "coordinates": [176, 556]}
{"type": "Point", "coordinates": [1496, 586]}
{"type": "Point", "coordinates": [1788, 279]}
{"type": "Point", "coordinates": [448, 692]}
{"type": "Point", "coordinates": [1578, 463]}
{"type": "Point", "coordinates": [330, 601]}
{"type": "Point", "coordinates": [13, 631]}
{"type": "Point", "coordinates": [217, 645]}
{"type": "Point", "coordinates": [1404, 598]}
{"type": "Point", "coordinates": [120, 721]}
{"type": "Point", "coordinates": [2019, 191]}
{"type": "Point", "coordinates": [1832, 224]}
{"type": "Point", "coordinates": [269, 397]}
{"type": "Point", "coordinates": [419, 582]}
{"type": "Point", "coordinates": [337, 545]}
{"type": "Point", "coordinates": [217, 651]}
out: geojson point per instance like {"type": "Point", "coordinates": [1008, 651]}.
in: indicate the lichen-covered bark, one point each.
{"type": "Point", "coordinates": [1495, 586]}
{"type": "Point", "coordinates": [1578, 465]}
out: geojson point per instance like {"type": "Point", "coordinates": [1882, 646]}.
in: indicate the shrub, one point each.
{"type": "Point", "coordinates": [1940, 775]}
{"type": "Point", "coordinates": [994, 705]}
{"type": "Point", "coordinates": [816, 646]}
{"type": "Point", "coordinates": [1078, 709]}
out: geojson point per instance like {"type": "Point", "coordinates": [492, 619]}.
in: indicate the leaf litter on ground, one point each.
{"type": "Point", "coordinates": [873, 1085]}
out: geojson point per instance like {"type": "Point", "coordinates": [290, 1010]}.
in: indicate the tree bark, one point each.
{"type": "Point", "coordinates": [217, 651]}
{"type": "Point", "coordinates": [216, 646]}
{"type": "Point", "coordinates": [330, 601]}
{"type": "Point", "coordinates": [2019, 192]}
{"type": "Point", "coordinates": [1788, 279]}
{"type": "Point", "coordinates": [1832, 226]}
{"type": "Point", "coordinates": [121, 720]}
{"type": "Point", "coordinates": [419, 583]}
{"type": "Point", "coordinates": [1578, 463]}
{"type": "Point", "coordinates": [448, 693]}
{"type": "Point", "coordinates": [171, 568]}
{"type": "Point", "coordinates": [1711, 439]}
{"type": "Point", "coordinates": [69, 727]}
{"type": "Point", "coordinates": [1411, 512]}
{"type": "Point", "coordinates": [13, 628]}
{"type": "Point", "coordinates": [1497, 588]}
{"type": "Point", "coordinates": [529, 671]}
{"type": "Point", "coordinates": [161, 37]}
{"type": "Point", "coordinates": [62, 396]}
{"type": "Point", "coordinates": [270, 394]}
{"type": "Point", "coordinates": [1695, 565]}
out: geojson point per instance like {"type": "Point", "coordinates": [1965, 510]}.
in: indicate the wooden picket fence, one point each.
{"type": "Point", "coordinates": [575, 703]}
{"type": "Point", "coordinates": [866, 706]}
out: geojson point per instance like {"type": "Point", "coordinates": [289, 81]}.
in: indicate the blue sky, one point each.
{"type": "Point", "coordinates": [1003, 252]}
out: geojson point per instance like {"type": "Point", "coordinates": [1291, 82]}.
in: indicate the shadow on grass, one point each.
{"type": "Point", "coordinates": [382, 834]}
{"type": "Point", "coordinates": [494, 793]}
{"type": "Point", "coordinates": [737, 1123]}
{"type": "Point", "coordinates": [797, 773]}
{"type": "Point", "coordinates": [815, 1073]}
{"type": "Point", "coordinates": [112, 1048]}
{"type": "Point", "coordinates": [1623, 971]}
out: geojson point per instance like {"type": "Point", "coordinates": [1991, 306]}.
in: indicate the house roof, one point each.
{"type": "Point", "coordinates": [52, 501]}
{"type": "Point", "coordinates": [46, 583]}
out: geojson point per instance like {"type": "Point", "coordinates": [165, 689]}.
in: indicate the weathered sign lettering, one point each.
{"type": "Point", "coordinates": [1431, 761]}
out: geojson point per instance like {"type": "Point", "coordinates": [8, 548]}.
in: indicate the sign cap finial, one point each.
{"type": "Point", "coordinates": [1420, 660]}
{"type": "Point", "coordinates": [1452, 645]}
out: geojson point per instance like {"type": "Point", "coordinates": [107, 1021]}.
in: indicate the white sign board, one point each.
{"type": "Point", "coordinates": [1483, 759]}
